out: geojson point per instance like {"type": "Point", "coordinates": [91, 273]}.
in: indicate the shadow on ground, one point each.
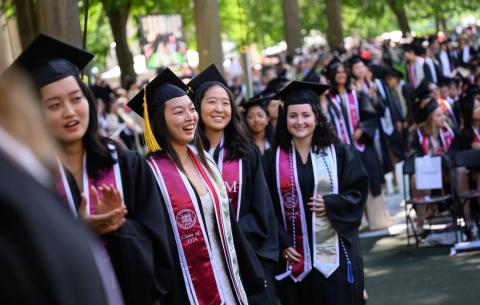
{"type": "Point", "coordinates": [397, 275]}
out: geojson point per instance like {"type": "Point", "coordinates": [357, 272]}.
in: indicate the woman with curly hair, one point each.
{"type": "Point", "coordinates": [319, 188]}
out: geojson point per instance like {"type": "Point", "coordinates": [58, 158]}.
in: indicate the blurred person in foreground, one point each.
{"type": "Point", "coordinates": [45, 256]}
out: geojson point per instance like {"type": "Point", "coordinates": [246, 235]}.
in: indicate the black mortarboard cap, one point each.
{"type": "Point", "coordinates": [297, 92]}
{"type": "Point", "coordinates": [276, 84]}
{"type": "Point", "coordinates": [392, 72]}
{"type": "Point", "coordinates": [312, 76]}
{"type": "Point", "coordinates": [331, 63]}
{"type": "Point", "coordinates": [422, 92]}
{"type": "Point", "coordinates": [260, 99]}
{"type": "Point", "coordinates": [467, 100]}
{"type": "Point", "coordinates": [355, 59]}
{"type": "Point", "coordinates": [378, 71]}
{"type": "Point", "coordinates": [425, 112]}
{"type": "Point", "coordinates": [48, 59]}
{"type": "Point", "coordinates": [162, 88]}
{"type": "Point", "coordinates": [444, 81]}
{"type": "Point", "coordinates": [407, 47]}
{"type": "Point", "coordinates": [207, 77]}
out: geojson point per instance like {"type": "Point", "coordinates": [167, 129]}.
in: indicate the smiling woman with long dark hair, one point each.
{"type": "Point", "coordinates": [215, 263]}
{"type": "Point", "coordinates": [98, 180]}
{"type": "Point", "coordinates": [319, 188]}
{"type": "Point", "coordinates": [240, 163]}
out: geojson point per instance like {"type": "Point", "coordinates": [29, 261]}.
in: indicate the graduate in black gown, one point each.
{"type": "Point", "coordinates": [257, 119]}
{"type": "Point", "coordinates": [319, 188]}
{"type": "Point", "coordinates": [45, 256]}
{"type": "Point", "coordinates": [433, 136]}
{"type": "Point", "coordinates": [100, 182]}
{"type": "Point", "coordinates": [218, 266]}
{"type": "Point", "coordinates": [468, 138]}
{"type": "Point", "coordinates": [356, 121]}
{"type": "Point", "coordinates": [225, 137]}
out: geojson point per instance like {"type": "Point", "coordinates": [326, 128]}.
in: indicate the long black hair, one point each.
{"type": "Point", "coordinates": [236, 139]}
{"type": "Point", "coordinates": [161, 134]}
{"type": "Point", "coordinates": [332, 72]}
{"type": "Point", "coordinates": [99, 156]}
{"type": "Point", "coordinates": [324, 133]}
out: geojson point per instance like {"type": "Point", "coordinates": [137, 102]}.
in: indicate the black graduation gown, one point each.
{"type": "Point", "coordinates": [394, 141]}
{"type": "Point", "coordinates": [429, 74]}
{"type": "Point", "coordinates": [45, 255]}
{"type": "Point", "coordinates": [143, 249]}
{"type": "Point", "coordinates": [251, 273]}
{"type": "Point", "coordinates": [462, 141]}
{"type": "Point", "coordinates": [257, 220]}
{"type": "Point", "coordinates": [344, 210]}
{"type": "Point", "coordinates": [369, 124]}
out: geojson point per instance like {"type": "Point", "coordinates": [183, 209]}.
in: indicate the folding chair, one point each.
{"type": "Point", "coordinates": [469, 159]}
{"type": "Point", "coordinates": [411, 202]}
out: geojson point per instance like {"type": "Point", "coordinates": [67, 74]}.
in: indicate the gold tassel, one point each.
{"type": "Point", "coordinates": [150, 141]}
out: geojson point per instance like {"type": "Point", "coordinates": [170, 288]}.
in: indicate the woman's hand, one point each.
{"type": "Point", "coordinates": [109, 213]}
{"type": "Point", "coordinates": [290, 254]}
{"type": "Point", "coordinates": [317, 206]}
{"type": "Point", "coordinates": [475, 145]}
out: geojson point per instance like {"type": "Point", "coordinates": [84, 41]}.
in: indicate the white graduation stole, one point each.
{"type": "Point", "coordinates": [326, 251]}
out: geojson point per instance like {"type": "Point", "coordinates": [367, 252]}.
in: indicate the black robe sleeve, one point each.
{"type": "Point", "coordinates": [251, 271]}
{"type": "Point", "coordinates": [143, 249]}
{"type": "Point", "coordinates": [45, 255]}
{"type": "Point", "coordinates": [345, 209]}
{"type": "Point", "coordinates": [461, 141]}
{"type": "Point", "coordinates": [257, 218]}
{"type": "Point", "coordinates": [368, 118]}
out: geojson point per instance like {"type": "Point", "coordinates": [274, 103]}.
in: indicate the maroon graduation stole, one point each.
{"type": "Point", "coordinates": [109, 176]}
{"type": "Point", "coordinates": [353, 115]}
{"type": "Point", "coordinates": [202, 285]}
{"type": "Point", "coordinates": [476, 135]}
{"type": "Point", "coordinates": [232, 177]}
{"type": "Point", "coordinates": [294, 221]}
{"type": "Point", "coordinates": [446, 137]}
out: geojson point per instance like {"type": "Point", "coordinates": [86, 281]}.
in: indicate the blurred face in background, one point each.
{"type": "Point", "coordinates": [476, 111]}
{"type": "Point", "coordinates": [439, 118]}
{"type": "Point", "coordinates": [257, 119]}
{"type": "Point", "coordinates": [341, 75]}
{"type": "Point", "coordinates": [453, 90]}
{"type": "Point", "coordinates": [435, 92]}
{"type": "Point", "coordinates": [359, 70]}
{"type": "Point", "coordinates": [66, 110]}
{"type": "Point", "coordinates": [444, 92]}
{"type": "Point", "coordinates": [272, 109]}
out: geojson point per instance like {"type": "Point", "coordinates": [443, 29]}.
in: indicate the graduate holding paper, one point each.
{"type": "Point", "coordinates": [319, 188]}
{"type": "Point", "coordinates": [433, 137]}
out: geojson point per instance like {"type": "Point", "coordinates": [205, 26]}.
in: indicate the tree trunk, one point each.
{"type": "Point", "coordinates": [291, 25]}
{"type": "Point", "coordinates": [443, 24]}
{"type": "Point", "coordinates": [209, 41]}
{"type": "Point", "coordinates": [118, 18]}
{"type": "Point", "coordinates": [399, 11]}
{"type": "Point", "coordinates": [61, 19]}
{"type": "Point", "coordinates": [334, 19]}
{"type": "Point", "coordinates": [27, 22]}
